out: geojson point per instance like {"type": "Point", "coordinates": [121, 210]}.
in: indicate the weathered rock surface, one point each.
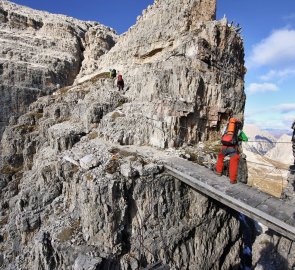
{"type": "Point", "coordinates": [40, 52]}
{"type": "Point", "coordinates": [182, 71]}
{"type": "Point", "coordinates": [289, 191]}
{"type": "Point", "coordinates": [120, 211]}
{"type": "Point", "coordinates": [102, 218]}
{"type": "Point", "coordinates": [70, 199]}
{"type": "Point", "coordinates": [74, 195]}
{"type": "Point", "coordinates": [272, 251]}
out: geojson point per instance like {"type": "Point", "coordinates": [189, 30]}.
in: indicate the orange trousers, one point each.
{"type": "Point", "coordinates": [233, 162]}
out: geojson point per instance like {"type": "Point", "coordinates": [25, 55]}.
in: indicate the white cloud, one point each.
{"type": "Point", "coordinates": [275, 121]}
{"type": "Point", "coordinates": [285, 108]}
{"type": "Point", "coordinates": [278, 74]}
{"type": "Point", "coordinates": [268, 123]}
{"type": "Point", "coordinates": [261, 87]}
{"type": "Point", "coordinates": [280, 116]}
{"type": "Point", "coordinates": [289, 117]}
{"type": "Point", "coordinates": [276, 49]}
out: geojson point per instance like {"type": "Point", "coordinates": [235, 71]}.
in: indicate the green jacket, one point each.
{"type": "Point", "coordinates": [242, 137]}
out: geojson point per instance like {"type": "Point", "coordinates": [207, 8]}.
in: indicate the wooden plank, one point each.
{"type": "Point", "coordinates": [239, 188]}
{"type": "Point", "coordinates": [218, 187]}
{"type": "Point", "coordinates": [251, 197]}
{"type": "Point", "coordinates": [291, 221]}
{"type": "Point", "coordinates": [257, 214]}
{"type": "Point", "coordinates": [288, 208]}
{"type": "Point", "coordinates": [232, 192]}
{"type": "Point", "coordinates": [272, 207]}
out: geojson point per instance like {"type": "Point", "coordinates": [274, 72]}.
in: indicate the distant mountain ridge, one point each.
{"type": "Point", "coordinates": [282, 151]}
{"type": "Point", "coordinates": [260, 141]}
{"type": "Point", "coordinates": [268, 159]}
{"type": "Point", "coordinates": [266, 143]}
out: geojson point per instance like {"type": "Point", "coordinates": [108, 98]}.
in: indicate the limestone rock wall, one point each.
{"type": "Point", "coordinates": [70, 200]}
{"type": "Point", "coordinates": [74, 196]}
{"type": "Point", "coordinates": [183, 73]}
{"type": "Point", "coordinates": [272, 251]}
{"type": "Point", "coordinates": [40, 52]}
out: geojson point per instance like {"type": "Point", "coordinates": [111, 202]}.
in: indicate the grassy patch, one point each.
{"type": "Point", "coordinates": [63, 119]}
{"type": "Point", "coordinates": [115, 115]}
{"type": "Point", "coordinates": [92, 135]}
{"type": "Point", "coordinates": [125, 153]}
{"type": "Point", "coordinates": [122, 152]}
{"type": "Point", "coordinates": [197, 154]}
{"type": "Point", "coordinates": [64, 90]}
{"type": "Point", "coordinates": [103, 75]}
{"type": "Point", "coordinates": [112, 166]}
{"type": "Point", "coordinates": [89, 177]}
{"type": "Point", "coordinates": [75, 168]}
{"type": "Point", "coordinates": [24, 129]}
{"type": "Point", "coordinates": [67, 233]}
{"type": "Point", "coordinates": [151, 53]}
{"type": "Point", "coordinates": [114, 150]}
{"type": "Point", "coordinates": [3, 220]}
{"type": "Point", "coordinates": [6, 169]}
{"type": "Point", "coordinates": [121, 102]}
{"type": "Point", "coordinates": [36, 115]}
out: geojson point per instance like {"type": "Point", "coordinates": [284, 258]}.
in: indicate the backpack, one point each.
{"type": "Point", "coordinates": [114, 73]}
{"type": "Point", "coordinates": [230, 137]}
{"type": "Point", "coordinates": [120, 78]}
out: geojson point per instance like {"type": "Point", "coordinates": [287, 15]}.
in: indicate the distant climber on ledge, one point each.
{"type": "Point", "coordinates": [120, 83]}
{"type": "Point", "coordinates": [113, 73]}
{"type": "Point", "coordinates": [231, 140]}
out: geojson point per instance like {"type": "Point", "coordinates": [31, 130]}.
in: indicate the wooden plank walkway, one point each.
{"type": "Point", "coordinates": [275, 213]}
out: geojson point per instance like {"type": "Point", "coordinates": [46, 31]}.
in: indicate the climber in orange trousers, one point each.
{"type": "Point", "coordinates": [230, 140]}
{"type": "Point", "coordinates": [233, 162]}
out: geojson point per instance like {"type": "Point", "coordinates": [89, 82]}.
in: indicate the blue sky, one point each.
{"type": "Point", "coordinates": [268, 30]}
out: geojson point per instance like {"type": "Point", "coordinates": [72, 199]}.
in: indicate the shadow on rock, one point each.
{"type": "Point", "coordinates": [270, 259]}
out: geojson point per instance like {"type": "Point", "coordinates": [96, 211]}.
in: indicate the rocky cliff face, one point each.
{"type": "Point", "coordinates": [272, 251]}
{"type": "Point", "coordinates": [70, 199]}
{"type": "Point", "coordinates": [40, 52]}
{"type": "Point", "coordinates": [183, 72]}
{"type": "Point", "coordinates": [79, 187]}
